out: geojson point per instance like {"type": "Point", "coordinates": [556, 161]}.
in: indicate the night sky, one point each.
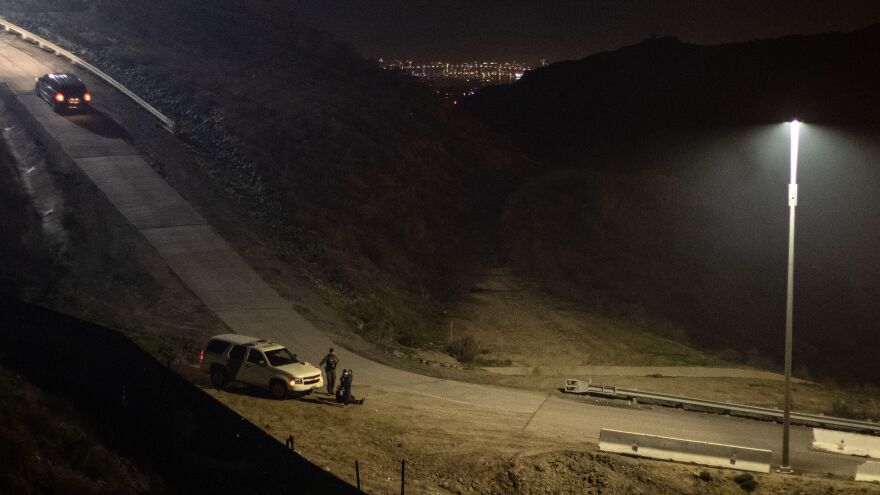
{"type": "Point", "coordinates": [529, 30]}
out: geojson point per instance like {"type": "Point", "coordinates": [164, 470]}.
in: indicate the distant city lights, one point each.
{"type": "Point", "coordinates": [476, 71]}
{"type": "Point", "coordinates": [454, 80]}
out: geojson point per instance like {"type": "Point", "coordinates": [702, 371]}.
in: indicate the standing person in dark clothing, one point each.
{"type": "Point", "coordinates": [329, 363]}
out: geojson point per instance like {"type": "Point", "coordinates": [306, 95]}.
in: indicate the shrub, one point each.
{"type": "Point", "coordinates": [412, 337]}
{"type": "Point", "coordinates": [746, 481]}
{"type": "Point", "coordinates": [842, 409]}
{"type": "Point", "coordinates": [749, 485]}
{"type": "Point", "coordinates": [464, 349]}
{"type": "Point", "coordinates": [742, 478]}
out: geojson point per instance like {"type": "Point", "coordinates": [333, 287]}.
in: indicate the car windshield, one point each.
{"type": "Point", "coordinates": [280, 357]}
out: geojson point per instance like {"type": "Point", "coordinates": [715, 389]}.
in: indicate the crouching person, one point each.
{"type": "Point", "coordinates": [343, 392]}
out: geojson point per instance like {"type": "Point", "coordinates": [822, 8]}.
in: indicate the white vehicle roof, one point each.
{"type": "Point", "coordinates": [237, 339]}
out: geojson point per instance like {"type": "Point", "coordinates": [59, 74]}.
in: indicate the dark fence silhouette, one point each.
{"type": "Point", "coordinates": [143, 410]}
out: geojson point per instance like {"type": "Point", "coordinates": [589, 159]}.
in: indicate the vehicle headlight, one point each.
{"type": "Point", "coordinates": [296, 381]}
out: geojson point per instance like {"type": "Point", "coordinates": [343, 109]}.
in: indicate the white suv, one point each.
{"type": "Point", "coordinates": [258, 362]}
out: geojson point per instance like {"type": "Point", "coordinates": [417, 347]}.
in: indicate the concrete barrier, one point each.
{"type": "Point", "coordinates": [680, 450]}
{"type": "Point", "coordinates": [576, 386]}
{"type": "Point", "coordinates": [868, 471]}
{"type": "Point", "coordinates": [838, 442]}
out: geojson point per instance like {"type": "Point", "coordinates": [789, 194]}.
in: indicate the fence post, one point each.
{"type": "Point", "coordinates": [357, 473]}
{"type": "Point", "coordinates": [402, 476]}
{"type": "Point", "coordinates": [289, 442]}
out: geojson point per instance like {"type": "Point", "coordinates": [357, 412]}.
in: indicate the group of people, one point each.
{"type": "Point", "coordinates": [343, 390]}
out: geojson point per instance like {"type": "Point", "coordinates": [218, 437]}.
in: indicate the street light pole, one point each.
{"type": "Point", "coordinates": [789, 303]}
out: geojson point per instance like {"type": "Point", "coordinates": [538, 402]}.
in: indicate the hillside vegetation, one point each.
{"type": "Point", "coordinates": [583, 110]}
{"type": "Point", "coordinates": [665, 168]}
{"type": "Point", "coordinates": [387, 194]}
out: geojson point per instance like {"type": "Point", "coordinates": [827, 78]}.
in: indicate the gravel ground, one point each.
{"type": "Point", "coordinates": [462, 451]}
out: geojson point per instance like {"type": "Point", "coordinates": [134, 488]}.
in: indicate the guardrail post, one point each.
{"type": "Point", "coordinates": [357, 474]}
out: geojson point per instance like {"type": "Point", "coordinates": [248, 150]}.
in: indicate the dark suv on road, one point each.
{"type": "Point", "coordinates": [63, 92]}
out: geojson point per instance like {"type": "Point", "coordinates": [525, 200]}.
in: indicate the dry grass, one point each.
{"type": "Point", "coordinates": [449, 448]}
{"type": "Point", "coordinates": [465, 349]}
{"type": "Point", "coordinates": [519, 323]}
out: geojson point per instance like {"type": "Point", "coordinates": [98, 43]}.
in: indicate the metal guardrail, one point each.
{"type": "Point", "coordinates": [52, 47]}
{"type": "Point", "coordinates": [767, 413]}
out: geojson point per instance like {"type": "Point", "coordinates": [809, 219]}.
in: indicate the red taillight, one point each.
{"type": "Point", "coordinates": [87, 97]}
{"type": "Point", "coordinates": [59, 97]}
{"type": "Point", "coordinates": [202, 356]}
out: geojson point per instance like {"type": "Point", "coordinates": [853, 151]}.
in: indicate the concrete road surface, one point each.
{"type": "Point", "coordinates": [248, 305]}
{"type": "Point", "coordinates": [19, 71]}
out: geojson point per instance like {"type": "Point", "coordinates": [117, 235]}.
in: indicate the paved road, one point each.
{"type": "Point", "coordinates": [18, 70]}
{"type": "Point", "coordinates": [248, 305]}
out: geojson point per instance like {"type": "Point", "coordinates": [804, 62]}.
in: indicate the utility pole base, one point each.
{"type": "Point", "coordinates": [784, 470]}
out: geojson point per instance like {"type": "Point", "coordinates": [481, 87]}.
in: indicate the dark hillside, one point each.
{"type": "Point", "coordinates": [665, 190]}
{"type": "Point", "coordinates": [569, 109]}
{"type": "Point", "coordinates": [46, 448]}
{"type": "Point", "coordinates": [388, 194]}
